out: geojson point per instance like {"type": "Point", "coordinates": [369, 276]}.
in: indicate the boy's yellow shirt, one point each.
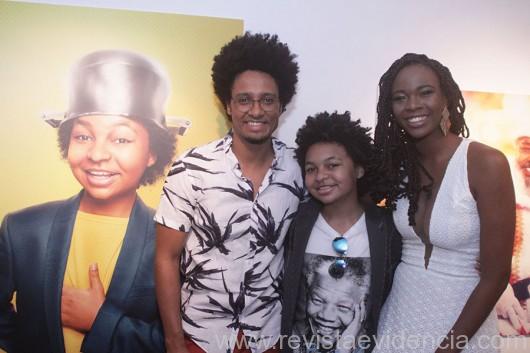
{"type": "Point", "coordinates": [95, 239]}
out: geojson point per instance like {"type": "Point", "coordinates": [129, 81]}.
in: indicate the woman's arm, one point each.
{"type": "Point", "coordinates": [491, 185]}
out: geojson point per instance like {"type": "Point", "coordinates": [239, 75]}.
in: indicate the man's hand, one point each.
{"type": "Point", "coordinates": [79, 307]}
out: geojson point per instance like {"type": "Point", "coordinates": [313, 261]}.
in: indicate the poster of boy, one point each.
{"type": "Point", "coordinates": [81, 268]}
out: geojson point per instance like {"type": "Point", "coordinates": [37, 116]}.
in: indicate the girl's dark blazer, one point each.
{"type": "Point", "coordinates": [385, 253]}
{"type": "Point", "coordinates": [34, 245]}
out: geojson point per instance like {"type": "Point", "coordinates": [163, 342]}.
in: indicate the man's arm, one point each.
{"type": "Point", "coordinates": [169, 246]}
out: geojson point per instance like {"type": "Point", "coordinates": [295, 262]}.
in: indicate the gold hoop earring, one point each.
{"type": "Point", "coordinates": [445, 123]}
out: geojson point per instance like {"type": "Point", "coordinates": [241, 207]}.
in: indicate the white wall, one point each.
{"type": "Point", "coordinates": [344, 46]}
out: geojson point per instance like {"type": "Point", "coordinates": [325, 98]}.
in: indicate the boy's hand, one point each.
{"type": "Point", "coordinates": [79, 307]}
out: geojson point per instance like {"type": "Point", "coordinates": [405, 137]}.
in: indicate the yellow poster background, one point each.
{"type": "Point", "coordinates": [38, 46]}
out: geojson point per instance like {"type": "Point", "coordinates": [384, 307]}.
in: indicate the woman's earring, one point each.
{"type": "Point", "coordinates": [445, 123]}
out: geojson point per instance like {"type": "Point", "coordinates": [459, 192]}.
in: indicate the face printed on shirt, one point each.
{"type": "Point", "coordinates": [333, 303]}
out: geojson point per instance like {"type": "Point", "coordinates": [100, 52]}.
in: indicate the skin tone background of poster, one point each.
{"type": "Point", "coordinates": [498, 119]}
{"type": "Point", "coordinates": [39, 45]}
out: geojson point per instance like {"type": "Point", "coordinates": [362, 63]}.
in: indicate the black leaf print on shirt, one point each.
{"type": "Point", "coordinates": [234, 309]}
{"type": "Point", "coordinates": [196, 188]}
{"type": "Point", "coordinates": [185, 317]}
{"type": "Point", "coordinates": [296, 190]}
{"type": "Point", "coordinates": [193, 154]}
{"type": "Point", "coordinates": [176, 168]}
{"type": "Point", "coordinates": [244, 193]}
{"type": "Point", "coordinates": [250, 278]}
{"type": "Point", "coordinates": [267, 233]}
{"type": "Point", "coordinates": [279, 144]}
{"type": "Point", "coordinates": [181, 165]}
{"type": "Point", "coordinates": [209, 232]}
{"type": "Point", "coordinates": [198, 168]}
{"type": "Point", "coordinates": [269, 301]}
{"type": "Point", "coordinates": [195, 276]}
{"type": "Point", "coordinates": [170, 194]}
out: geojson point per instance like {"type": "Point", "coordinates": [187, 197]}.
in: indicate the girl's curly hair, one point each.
{"type": "Point", "coordinates": [340, 129]}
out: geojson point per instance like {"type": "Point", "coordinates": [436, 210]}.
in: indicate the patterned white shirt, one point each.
{"type": "Point", "coordinates": [233, 259]}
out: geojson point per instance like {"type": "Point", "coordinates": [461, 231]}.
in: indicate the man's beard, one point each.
{"type": "Point", "coordinates": [257, 141]}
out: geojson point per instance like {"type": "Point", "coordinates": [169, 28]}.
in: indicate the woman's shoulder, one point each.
{"type": "Point", "coordinates": [485, 158]}
{"type": "Point", "coordinates": [487, 167]}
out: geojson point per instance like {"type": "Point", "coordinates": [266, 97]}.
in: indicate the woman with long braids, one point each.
{"type": "Point", "coordinates": [453, 203]}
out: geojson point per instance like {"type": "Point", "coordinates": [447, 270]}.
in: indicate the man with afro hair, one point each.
{"type": "Point", "coordinates": [225, 210]}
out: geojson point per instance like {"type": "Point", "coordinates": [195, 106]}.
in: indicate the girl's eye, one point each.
{"type": "Point", "coordinates": [333, 166]}
{"type": "Point", "coordinates": [309, 170]}
{"type": "Point", "coordinates": [427, 92]}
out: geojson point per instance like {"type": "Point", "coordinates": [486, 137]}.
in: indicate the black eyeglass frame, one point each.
{"type": "Point", "coordinates": [244, 103]}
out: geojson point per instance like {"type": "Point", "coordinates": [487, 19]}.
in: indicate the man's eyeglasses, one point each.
{"type": "Point", "coordinates": [338, 267]}
{"type": "Point", "coordinates": [267, 103]}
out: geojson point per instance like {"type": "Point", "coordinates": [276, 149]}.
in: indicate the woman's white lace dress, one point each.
{"type": "Point", "coordinates": [425, 303]}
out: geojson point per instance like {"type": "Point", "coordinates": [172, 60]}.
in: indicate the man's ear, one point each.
{"type": "Point", "coordinates": [228, 111]}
